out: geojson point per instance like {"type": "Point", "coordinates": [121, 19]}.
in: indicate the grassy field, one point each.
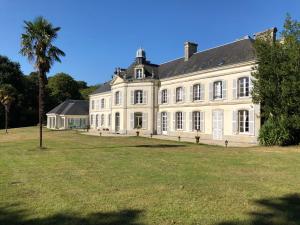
{"type": "Point", "coordinates": [87, 180]}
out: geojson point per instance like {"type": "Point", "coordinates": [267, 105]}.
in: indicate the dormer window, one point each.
{"type": "Point", "coordinates": [138, 73]}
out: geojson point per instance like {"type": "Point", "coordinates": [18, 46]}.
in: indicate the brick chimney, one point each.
{"type": "Point", "coordinates": [189, 49]}
{"type": "Point", "coordinates": [267, 35]}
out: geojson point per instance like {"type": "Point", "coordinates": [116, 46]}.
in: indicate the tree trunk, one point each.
{"type": "Point", "coordinates": [6, 119]}
{"type": "Point", "coordinates": [41, 105]}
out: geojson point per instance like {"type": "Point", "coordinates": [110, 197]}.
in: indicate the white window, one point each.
{"type": "Point", "coordinates": [102, 120]}
{"type": "Point", "coordinates": [217, 90]}
{"type": "Point", "coordinates": [97, 118]}
{"type": "Point", "coordinates": [179, 124]}
{"type": "Point", "coordinates": [102, 103]}
{"type": "Point", "coordinates": [196, 92]}
{"type": "Point", "coordinates": [179, 94]}
{"type": "Point", "coordinates": [92, 119]}
{"type": "Point", "coordinates": [164, 96]}
{"type": "Point", "coordinates": [117, 98]}
{"type": "Point", "coordinates": [243, 87]}
{"type": "Point", "coordinates": [196, 121]}
{"type": "Point", "coordinates": [93, 104]}
{"type": "Point", "coordinates": [138, 97]}
{"type": "Point", "coordinates": [139, 73]}
{"type": "Point", "coordinates": [243, 118]}
{"type": "Point", "coordinates": [138, 120]}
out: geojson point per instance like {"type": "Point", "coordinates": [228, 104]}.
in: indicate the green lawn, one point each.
{"type": "Point", "coordinates": [84, 180]}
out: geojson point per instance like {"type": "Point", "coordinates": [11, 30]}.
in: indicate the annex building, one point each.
{"type": "Point", "coordinates": [208, 92]}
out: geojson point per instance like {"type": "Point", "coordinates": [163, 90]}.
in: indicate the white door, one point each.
{"type": "Point", "coordinates": [164, 123]}
{"type": "Point", "coordinates": [218, 125]}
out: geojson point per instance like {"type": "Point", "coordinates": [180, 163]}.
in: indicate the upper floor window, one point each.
{"type": "Point", "coordinates": [179, 94]}
{"type": "Point", "coordinates": [117, 98]}
{"type": "Point", "coordinates": [102, 103]}
{"type": "Point", "coordinates": [217, 90]}
{"type": "Point", "coordinates": [243, 120]}
{"type": "Point", "coordinates": [196, 92]}
{"type": "Point", "coordinates": [138, 97]}
{"type": "Point", "coordinates": [179, 123]}
{"type": "Point", "coordinates": [243, 87]}
{"type": "Point", "coordinates": [138, 73]}
{"type": "Point", "coordinates": [164, 96]}
{"type": "Point", "coordinates": [93, 104]}
{"type": "Point", "coordinates": [196, 120]}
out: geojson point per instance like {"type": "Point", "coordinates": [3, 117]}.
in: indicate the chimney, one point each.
{"type": "Point", "coordinates": [267, 35]}
{"type": "Point", "coordinates": [189, 49]}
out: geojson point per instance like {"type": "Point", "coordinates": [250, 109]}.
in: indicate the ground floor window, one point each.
{"type": "Point", "coordinates": [109, 119]}
{"type": "Point", "coordinates": [179, 125]}
{"type": "Point", "coordinates": [77, 123]}
{"type": "Point", "coordinates": [138, 120]}
{"type": "Point", "coordinates": [196, 120]}
{"type": "Point", "coordinates": [92, 119]}
{"type": "Point", "coordinates": [164, 121]}
{"type": "Point", "coordinates": [102, 120]}
{"type": "Point", "coordinates": [97, 120]}
{"type": "Point", "coordinates": [243, 116]}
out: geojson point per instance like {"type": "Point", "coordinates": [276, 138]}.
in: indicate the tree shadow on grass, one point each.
{"type": "Point", "coordinates": [158, 146]}
{"type": "Point", "coordinates": [12, 216]}
{"type": "Point", "coordinates": [276, 211]}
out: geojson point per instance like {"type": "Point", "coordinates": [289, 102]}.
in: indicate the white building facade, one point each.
{"type": "Point", "coordinates": [206, 93]}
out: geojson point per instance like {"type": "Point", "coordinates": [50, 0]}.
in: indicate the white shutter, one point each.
{"type": "Point", "coordinates": [145, 95]}
{"type": "Point", "coordinates": [145, 119]}
{"type": "Point", "coordinates": [132, 97]}
{"type": "Point", "coordinates": [234, 89]}
{"type": "Point", "coordinates": [234, 122]}
{"type": "Point", "coordinates": [132, 120]}
{"type": "Point", "coordinates": [202, 121]}
{"type": "Point", "coordinates": [183, 94]}
{"type": "Point", "coordinates": [224, 89]}
{"type": "Point", "coordinates": [191, 93]}
{"type": "Point", "coordinates": [168, 96]}
{"type": "Point", "coordinates": [159, 97]}
{"type": "Point", "coordinates": [183, 121]}
{"type": "Point", "coordinates": [211, 91]}
{"type": "Point", "coordinates": [174, 121]}
{"type": "Point", "coordinates": [202, 92]}
{"type": "Point", "coordinates": [250, 86]}
{"type": "Point", "coordinates": [251, 122]}
{"type": "Point", "coordinates": [120, 98]}
{"type": "Point", "coordinates": [190, 121]}
{"type": "Point", "coordinates": [158, 130]}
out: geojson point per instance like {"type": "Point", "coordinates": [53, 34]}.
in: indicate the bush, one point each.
{"type": "Point", "coordinates": [276, 132]}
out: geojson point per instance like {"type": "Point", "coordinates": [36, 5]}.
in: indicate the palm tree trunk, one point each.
{"type": "Point", "coordinates": [41, 105]}
{"type": "Point", "coordinates": [6, 120]}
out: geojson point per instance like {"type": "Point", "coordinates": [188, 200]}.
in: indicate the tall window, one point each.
{"type": "Point", "coordinates": [97, 118]}
{"type": "Point", "coordinates": [243, 121]}
{"type": "Point", "coordinates": [139, 73]}
{"type": "Point", "coordinates": [196, 92]}
{"type": "Point", "coordinates": [138, 97]}
{"type": "Point", "coordinates": [243, 87]}
{"type": "Point", "coordinates": [92, 119]}
{"type": "Point", "coordinates": [117, 98]}
{"type": "Point", "coordinates": [218, 90]}
{"type": "Point", "coordinates": [102, 120]}
{"type": "Point", "coordinates": [179, 125]}
{"type": "Point", "coordinates": [138, 120]}
{"type": "Point", "coordinates": [109, 119]}
{"type": "Point", "coordinates": [164, 96]}
{"type": "Point", "coordinates": [102, 103]}
{"type": "Point", "coordinates": [93, 104]}
{"type": "Point", "coordinates": [196, 120]}
{"type": "Point", "coordinates": [179, 94]}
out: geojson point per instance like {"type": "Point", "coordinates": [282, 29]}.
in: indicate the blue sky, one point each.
{"type": "Point", "coordinates": [98, 36]}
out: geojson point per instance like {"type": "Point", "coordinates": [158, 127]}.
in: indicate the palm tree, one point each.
{"type": "Point", "coordinates": [37, 46]}
{"type": "Point", "coordinates": [7, 93]}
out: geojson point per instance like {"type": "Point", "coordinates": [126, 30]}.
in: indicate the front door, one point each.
{"type": "Point", "coordinates": [164, 123]}
{"type": "Point", "coordinates": [217, 125]}
{"type": "Point", "coordinates": [117, 122]}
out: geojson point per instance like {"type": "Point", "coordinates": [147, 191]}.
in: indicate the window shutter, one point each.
{"type": "Point", "coordinates": [202, 122]}
{"type": "Point", "coordinates": [191, 93]}
{"type": "Point", "coordinates": [145, 95]}
{"type": "Point", "coordinates": [132, 120]}
{"type": "Point", "coordinates": [234, 122]}
{"type": "Point", "coordinates": [234, 89]}
{"type": "Point", "coordinates": [224, 89]}
{"type": "Point", "coordinates": [158, 123]}
{"type": "Point", "coordinates": [132, 97]}
{"type": "Point", "coordinates": [174, 95]}
{"type": "Point", "coordinates": [120, 98]}
{"type": "Point", "coordinates": [159, 97]}
{"type": "Point", "coordinates": [202, 92]}
{"type": "Point", "coordinates": [168, 95]}
{"type": "Point", "coordinates": [251, 122]}
{"type": "Point", "coordinates": [190, 121]}
{"type": "Point", "coordinates": [250, 86]}
{"type": "Point", "coordinates": [145, 119]}
{"type": "Point", "coordinates": [183, 94]}
{"type": "Point", "coordinates": [211, 94]}
{"type": "Point", "coordinates": [174, 121]}
{"type": "Point", "coordinates": [183, 121]}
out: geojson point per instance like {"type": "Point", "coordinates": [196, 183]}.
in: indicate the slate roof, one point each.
{"type": "Point", "coordinates": [72, 107]}
{"type": "Point", "coordinates": [228, 54]}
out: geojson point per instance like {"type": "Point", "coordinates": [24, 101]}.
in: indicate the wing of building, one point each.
{"type": "Point", "coordinates": [206, 92]}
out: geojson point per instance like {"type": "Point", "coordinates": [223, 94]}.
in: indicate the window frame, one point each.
{"type": "Point", "coordinates": [179, 94]}
{"type": "Point", "coordinates": [117, 98]}
{"type": "Point", "coordinates": [218, 84]}
{"type": "Point", "coordinates": [139, 73]}
{"type": "Point", "coordinates": [244, 123]}
{"type": "Point", "coordinates": [196, 120]}
{"type": "Point", "coordinates": [179, 120]}
{"type": "Point", "coordinates": [138, 97]}
{"type": "Point", "coordinates": [245, 86]}
{"type": "Point", "coordinates": [164, 96]}
{"type": "Point", "coordinates": [198, 92]}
